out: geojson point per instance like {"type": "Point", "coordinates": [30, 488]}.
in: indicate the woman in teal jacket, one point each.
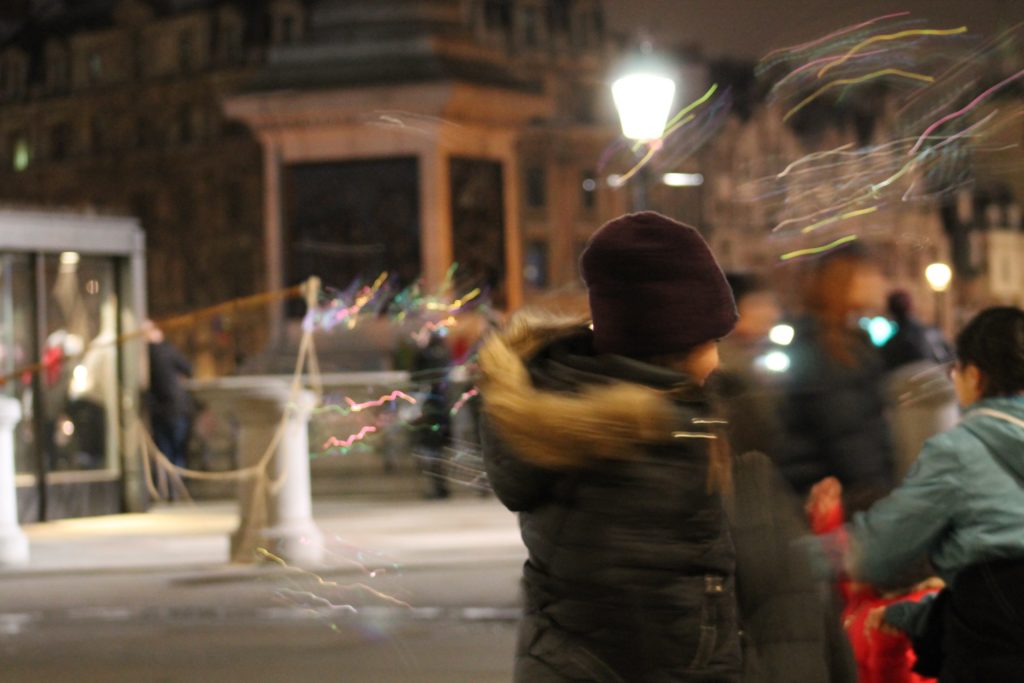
{"type": "Point", "coordinates": [962, 506]}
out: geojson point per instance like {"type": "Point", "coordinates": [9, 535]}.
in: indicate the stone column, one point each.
{"type": "Point", "coordinates": [13, 542]}
{"type": "Point", "coordinates": [276, 512]}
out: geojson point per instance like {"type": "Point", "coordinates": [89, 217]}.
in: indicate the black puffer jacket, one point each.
{"type": "Point", "coordinates": [834, 419]}
{"type": "Point", "coordinates": [630, 570]}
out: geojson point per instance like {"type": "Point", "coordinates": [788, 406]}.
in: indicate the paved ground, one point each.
{"type": "Point", "coordinates": [411, 592]}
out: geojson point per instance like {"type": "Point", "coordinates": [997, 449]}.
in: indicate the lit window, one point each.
{"type": "Point", "coordinates": [588, 198]}
{"type": "Point", "coordinates": [95, 67]}
{"type": "Point", "coordinates": [22, 154]}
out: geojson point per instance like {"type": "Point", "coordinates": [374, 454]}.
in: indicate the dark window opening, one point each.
{"type": "Point", "coordinates": [498, 14]}
{"type": "Point", "coordinates": [60, 141]}
{"type": "Point", "coordinates": [478, 226]}
{"type": "Point", "coordinates": [531, 27]}
{"type": "Point", "coordinates": [288, 30]}
{"type": "Point", "coordinates": [536, 192]}
{"type": "Point", "coordinates": [186, 129]}
{"type": "Point", "coordinates": [185, 57]}
{"type": "Point", "coordinates": [535, 264]}
{"type": "Point", "coordinates": [352, 220]}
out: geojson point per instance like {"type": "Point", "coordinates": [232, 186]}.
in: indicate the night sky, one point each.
{"type": "Point", "coordinates": [750, 28]}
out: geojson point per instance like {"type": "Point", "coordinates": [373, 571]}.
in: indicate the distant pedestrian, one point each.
{"type": "Point", "coordinates": [603, 440]}
{"type": "Point", "coordinates": [913, 341]}
{"type": "Point", "coordinates": [170, 407]}
{"type": "Point", "coordinates": [432, 429]}
{"type": "Point", "coordinates": [921, 399]}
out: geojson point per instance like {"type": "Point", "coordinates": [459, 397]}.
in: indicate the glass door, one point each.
{"type": "Point", "coordinates": [17, 354]}
{"type": "Point", "coordinates": [78, 384]}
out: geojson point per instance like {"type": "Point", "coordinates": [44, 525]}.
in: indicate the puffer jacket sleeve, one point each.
{"type": "Point", "coordinates": [519, 485]}
{"type": "Point", "coordinates": [893, 536]}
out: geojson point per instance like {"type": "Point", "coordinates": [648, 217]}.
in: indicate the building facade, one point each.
{"type": "Point", "coordinates": [224, 125]}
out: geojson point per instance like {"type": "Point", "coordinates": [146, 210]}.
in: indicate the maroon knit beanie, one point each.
{"type": "Point", "coordinates": [654, 287]}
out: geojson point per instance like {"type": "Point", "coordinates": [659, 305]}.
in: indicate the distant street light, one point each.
{"type": "Point", "coordinates": [643, 98]}
{"type": "Point", "coordinates": [683, 179]}
{"type": "Point", "coordinates": [939, 275]}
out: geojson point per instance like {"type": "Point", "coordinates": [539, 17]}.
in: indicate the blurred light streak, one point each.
{"type": "Point", "coordinates": [463, 400]}
{"type": "Point", "coordinates": [977, 100]}
{"type": "Point", "coordinates": [388, 398]}
{"type": "Point", "coordinates": [835, 219]}
{"type": "Point", "coordinates": [333, 584]}
{"type": "Point", "coordinates": [818, 250]}
{"type": "Point", "coordinates": [814, 63]}
{"type": "Point", "coordinates": [334, 442]}
{"type": "Point", "coordinates": [853, 81]}
{"type": "Point", "coordinates": [891, 36]}
{"type": "Point", "coordinates": [835, 34]}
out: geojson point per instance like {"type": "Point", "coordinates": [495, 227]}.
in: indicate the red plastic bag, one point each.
{"type": "Point", "coordinates": [881, 657]}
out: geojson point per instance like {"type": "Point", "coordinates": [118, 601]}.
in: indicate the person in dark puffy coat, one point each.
{"type": "Point", "coordinates": [834, 408]}
{"type": "Point", "coordinates": [604, 442]}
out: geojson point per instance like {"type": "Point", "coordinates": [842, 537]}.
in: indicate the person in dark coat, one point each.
{"type": "Point", "coordinates": [605, 443]}
{"type": "Point", "coordinates": [170, 406]}
{"type": "Point", "coordinates": [913, 341]}
{"type": "Point", "coordinates": [789, 615]}
{"type": "Point", "coordinates": [834, 407]}
{"type": "Point", "coordinates": [432, 429]}
{"type": "Point", "coordinates": [789, 610]}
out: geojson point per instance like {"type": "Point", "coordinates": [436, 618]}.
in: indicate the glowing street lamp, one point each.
{"type": "Point", "coordinates": [643, 97]}
{"type": "Point", "coordinates": [643, 100]}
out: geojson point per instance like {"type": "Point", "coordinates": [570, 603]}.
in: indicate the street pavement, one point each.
{"type": "Point", "coordinates": [410, 591]}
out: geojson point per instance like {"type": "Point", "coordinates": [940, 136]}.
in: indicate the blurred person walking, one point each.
{"type": "Point", "coordinates": [170, 406]}
{"type": "Point", "coordinates": [913, 341]}
{"type": "Point", "coordinates": [604, 442]}
{"type": "Point", "coordinates": [919, 392]}
{"type": "Point", "coordinates": [961, 506]}
{"type": "Point", "coordinates": [833, 410]}
{"type": "Point", "coordinates": [433, 426]}
{"type": "Point", "coordinates": [748, 390]}
{"type": "Point", "coordinates": [789, 616]}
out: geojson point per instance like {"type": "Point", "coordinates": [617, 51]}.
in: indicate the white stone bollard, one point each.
{"type": "Point", "coordinates": [275, 511]}
{"type": "Point", "coordinates": [13, 542]}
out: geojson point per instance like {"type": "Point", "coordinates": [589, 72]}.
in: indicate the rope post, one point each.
{"type": "Point", "coordinates": [276, 508]}
{"type": "Point", "coordinates": [13, 542]}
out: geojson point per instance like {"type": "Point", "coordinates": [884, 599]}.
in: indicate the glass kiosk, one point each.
{"type": "Point", "coordinates": [72, 290]}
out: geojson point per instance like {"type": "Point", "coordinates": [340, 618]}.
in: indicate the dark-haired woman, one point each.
{"type": "Point", "coordinates": [962, 506]}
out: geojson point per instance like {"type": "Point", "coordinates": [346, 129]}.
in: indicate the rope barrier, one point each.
{"type": "Point", "coordinates": [174, 322]}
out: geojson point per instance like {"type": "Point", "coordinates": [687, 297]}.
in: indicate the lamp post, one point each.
{"type": "Point", "coordinates": [643, 97]}
{"type": "Point", "coordinates": [939, 275]}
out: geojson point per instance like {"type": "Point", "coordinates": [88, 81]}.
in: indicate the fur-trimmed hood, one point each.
{"type": "Point", "coordinates": [558, 405]}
